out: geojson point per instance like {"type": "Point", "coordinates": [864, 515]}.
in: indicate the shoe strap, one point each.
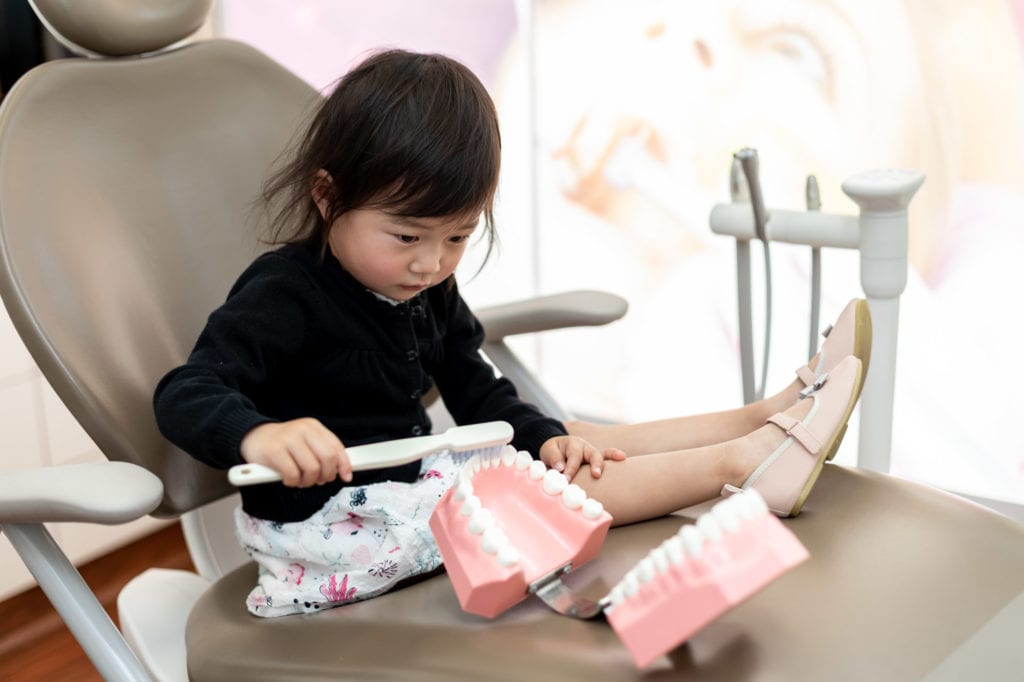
{"type": "Point", "coordinates": [795, 428]}
{"type": "Point", "coordinates": [807, 375]}
{"type": "Point", "coordinates": [728, 490]}
{"type": "Point", "coordinates": [813, 386]}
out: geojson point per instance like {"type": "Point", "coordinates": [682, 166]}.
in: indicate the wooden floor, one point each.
{"type": "Point", "coordinates": [35, 645]}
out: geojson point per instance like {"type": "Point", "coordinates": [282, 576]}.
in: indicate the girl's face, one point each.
{"type": "Point", "coordinates": [398, 256]}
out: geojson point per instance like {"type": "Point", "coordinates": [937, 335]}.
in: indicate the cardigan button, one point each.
{"type": "Point", "coordinates": [417, 430]}
{"type": "Point", "coordinates": [415, 395]}
{"type": "Point", "coordinates": [412, 354]}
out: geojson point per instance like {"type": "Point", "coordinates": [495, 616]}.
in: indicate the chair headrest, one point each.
{"type": "Point", "coordinates": [120, 28]}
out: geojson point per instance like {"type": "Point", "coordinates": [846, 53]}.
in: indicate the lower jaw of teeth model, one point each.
{"type": "Point", "coordinates": [698, 574]}
{"type": "Point", "coordinates": [510, 523]}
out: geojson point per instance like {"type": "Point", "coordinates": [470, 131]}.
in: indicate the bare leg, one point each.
{"type": "Point", "coordinates": [641, 488]}
{"type": "Point", "coordinates": [684, 433]}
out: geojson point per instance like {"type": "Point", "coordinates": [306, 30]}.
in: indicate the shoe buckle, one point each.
{"type": "Point", "coordinates": [818, 383]}
{"type": "Point", "coordinates": [826, 331]}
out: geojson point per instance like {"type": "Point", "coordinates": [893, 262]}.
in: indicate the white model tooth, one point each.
{"type": "Point", "coordinates": [592, 509]}
{"type": "Point", "coordinates": [537, 470]}
{"type": "Point", "coordinates": [493, 540]}
{"type": "Point", "coordinates": [616, 596]}
{"type": "Point", "coordinates": [710, 526]}
{"type": "Point", "coordinates": [523, 460]}
{"type": "Point", "coordinates": [485, 462]}
{"type": "Point", "coordinates": [756, 502]}
{"type": "Point", "coordinates": [508, 556]}
{"type": "Point", "coordinates": [554, 482]}
{"type": "Point", "coordinates": [470, 505]}
{"type": "Point", "coordinates": [481, 520]}
{"type": "Point", "coordinates": [660, 558]}
{"type": "Point", "coordinates": [727, 515]}
{"type": "Point", "coordinates": [508, 456]}
{"type": "Point", "coordinates": [630, 585]}
{"type": "Point", "coordinates": [472, 465]}
{"type": "Point", "coordinates": [674, 549]}
{"type": "Point", "coordinates": [745, 507]}
{"type": "Point", "coordinates": [463, 490]}
{"type": "Point", "coordinates": [645, 570]}
{"type": "Point", "coordinates": [693, 541]}
{"type": "Point", "coordinates": [573, 496]}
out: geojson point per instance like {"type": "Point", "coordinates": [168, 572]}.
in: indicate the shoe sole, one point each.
{"type": "Point", "coordinates": [861, 350]}
{"type": "Point", "coordinates": [829, 450]}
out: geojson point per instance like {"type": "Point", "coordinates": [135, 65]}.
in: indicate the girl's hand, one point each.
{"type": "Point", "coordinates": [303, 451]}
{"type": "Point", "coordinates": [567, 453]}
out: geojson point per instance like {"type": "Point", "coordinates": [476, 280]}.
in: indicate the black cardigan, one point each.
{"type": "Point", "coordinates": [299, 337]}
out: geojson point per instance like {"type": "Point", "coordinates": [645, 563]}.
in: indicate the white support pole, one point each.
{"type": "Point", "coordinates": [883, 197]}
{"type": "Point", "coordinates": [75, 602]}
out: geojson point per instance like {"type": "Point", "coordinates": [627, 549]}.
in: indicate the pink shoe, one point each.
{"type": "Point", "coordinates": [850, 335]}
{"type": "Point", "coordinates": [786, 477]}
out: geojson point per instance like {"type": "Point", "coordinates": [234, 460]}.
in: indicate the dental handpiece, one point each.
{"type": "Point", "coordinates": [748, 162]}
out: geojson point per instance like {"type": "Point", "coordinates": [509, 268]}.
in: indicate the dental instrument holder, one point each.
{"type": "Point", "coordinates": [880, 233]}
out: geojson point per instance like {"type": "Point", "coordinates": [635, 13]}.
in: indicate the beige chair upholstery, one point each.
{"type": "Point", "coordinates": [901, 578]}
{"type": "Point", "coordinates": [126, 190]}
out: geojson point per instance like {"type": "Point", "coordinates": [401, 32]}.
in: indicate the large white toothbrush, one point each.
{"type": "Point", "coordinates": [488, 436]}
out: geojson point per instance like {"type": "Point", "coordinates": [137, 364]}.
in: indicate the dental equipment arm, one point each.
{"type": "Point", "coordinates": [880, 234]}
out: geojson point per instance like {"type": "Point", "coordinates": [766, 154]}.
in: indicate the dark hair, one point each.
{"type": "Point", "coordinates": [411, 134]}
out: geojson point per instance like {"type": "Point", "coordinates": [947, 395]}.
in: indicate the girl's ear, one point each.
{"type": "Point", "coordinates": [323, 188]}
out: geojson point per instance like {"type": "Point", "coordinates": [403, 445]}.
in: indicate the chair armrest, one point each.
{"type": "Point", "coordinates": [98, 492]}
{"type": "Point", "coordinates": [583, 308]}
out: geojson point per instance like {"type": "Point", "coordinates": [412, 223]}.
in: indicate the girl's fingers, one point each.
{"type": "Point", "coordinates": [596, 462]}
{"type": "Point", "coordinates": [326, 447]}
{"type": "Point", "coordinates": [344, 466]}
{"type": "Point", "coordinates": [614, 454]}
{"type": "Point", "coordinates": [308, 463]}
{"type": "Point", "coordinates": [573, 457]}
{"type": "Point", "coordinates": [290, 474]}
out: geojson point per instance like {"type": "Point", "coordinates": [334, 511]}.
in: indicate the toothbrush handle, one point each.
{"type": "Point", "coordinates": [394, 452]}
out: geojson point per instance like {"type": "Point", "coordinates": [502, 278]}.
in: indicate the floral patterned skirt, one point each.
{"type": "Point", "coordinates": [361, 543]}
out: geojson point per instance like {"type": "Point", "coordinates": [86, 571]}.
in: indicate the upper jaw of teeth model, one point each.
{"type": "Point", "coordinates": [509, 524]}
{"type": "Point", "coordinates": [698, 574]}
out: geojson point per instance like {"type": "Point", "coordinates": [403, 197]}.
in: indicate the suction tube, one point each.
{"type": "Point", "coordinates": [748, 161]}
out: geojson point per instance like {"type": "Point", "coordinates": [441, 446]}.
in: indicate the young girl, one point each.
{"type": "Point", "coordinates": [333, 339]}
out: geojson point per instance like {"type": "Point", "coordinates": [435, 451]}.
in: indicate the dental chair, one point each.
{"type": "Point", "coordinates": [126, 185]}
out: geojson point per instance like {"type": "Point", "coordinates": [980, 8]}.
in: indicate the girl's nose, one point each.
{"type": "Point", "coordinates": [426, 263]}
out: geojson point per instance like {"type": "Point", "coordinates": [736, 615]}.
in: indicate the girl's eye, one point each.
{"type": "Point", "coordinates": [458, 239]}
{"type": "Point", "coordinates": [406, 238]}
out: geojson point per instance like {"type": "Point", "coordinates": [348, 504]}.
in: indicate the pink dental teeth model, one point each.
{"type": "Point", "coordinates": [698, 574]}
{"type": "Point", "coordinates": [510, 527]}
